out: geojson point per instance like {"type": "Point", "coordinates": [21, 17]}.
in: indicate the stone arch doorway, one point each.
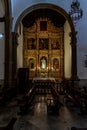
{"type": "Point", "coordinates": [72, 34]}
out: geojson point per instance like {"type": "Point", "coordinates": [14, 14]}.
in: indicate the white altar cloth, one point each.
{"type": "Point", "coordinates": [38, 78]}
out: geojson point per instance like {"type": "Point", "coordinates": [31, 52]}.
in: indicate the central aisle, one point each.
{"type": "Point", "coordinates": [38, 119]}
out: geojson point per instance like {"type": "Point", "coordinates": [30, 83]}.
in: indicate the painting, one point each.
{"type": "Point", "coordinates": [31, 44]}
{"type": "Point", "coordinates": [55, 44]}
{"type": "Point", "coordinates": [43, 43]}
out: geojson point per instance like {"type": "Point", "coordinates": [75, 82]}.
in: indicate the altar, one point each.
{"type": "Point", "coordinates": [44, 79]}
{"type": "Point", "coordinates": [43, 85]}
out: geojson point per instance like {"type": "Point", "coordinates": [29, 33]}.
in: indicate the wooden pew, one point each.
{"type": "Point", "coordinates": [6, 95]}
{"type": "Point", "coordinates": [79, 98]}
{"type": "Point", "coordinates": [2, 99]}
{"type": "Point", "coordinates": [10, 125]}
{"type": "Point", "coordinates": [26, 101]}
{"type": "Point", "coordinates": [53, 102]}
{"type": "Point", "coordinates": [76, 128]}
{"type": "Point", "coordinates": [50, 103]}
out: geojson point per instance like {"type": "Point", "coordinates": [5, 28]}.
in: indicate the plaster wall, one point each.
{"type": "Point", "coordinates": [2, 8]}
{"type": "Point", "coordinates": [67, 51]}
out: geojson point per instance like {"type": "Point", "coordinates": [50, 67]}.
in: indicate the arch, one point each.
{"type": "Point", "coordinates": [72, 33]}
{"type": "Point", "coordinates": [43, 6]}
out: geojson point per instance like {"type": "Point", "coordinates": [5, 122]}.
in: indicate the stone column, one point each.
{"type": "Point", "coordinates": [14, 56]}
{"type": "Point", "coordinates": [74, 57]}
{"type": "Point", "coordinates": [7, 43]}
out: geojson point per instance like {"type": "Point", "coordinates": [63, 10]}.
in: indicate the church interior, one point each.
{"type": "Point", "coordinates": [43, 69]}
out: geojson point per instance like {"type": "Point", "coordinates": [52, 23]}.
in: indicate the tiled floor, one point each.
{"type": "Point", "coordinates": [38, 119]}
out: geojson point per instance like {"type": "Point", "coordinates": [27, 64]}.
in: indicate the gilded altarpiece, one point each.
{"type": "Point", "coordinates": [44, 50]}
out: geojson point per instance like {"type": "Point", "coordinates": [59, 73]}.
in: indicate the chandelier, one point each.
{"type": "Point", "coordinates": [76, 12]}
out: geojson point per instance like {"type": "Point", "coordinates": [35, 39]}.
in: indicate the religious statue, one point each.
{"type": "Point", "coordinates": [56, 63]}
{"type": "Point", "coordinates": [43, 63]}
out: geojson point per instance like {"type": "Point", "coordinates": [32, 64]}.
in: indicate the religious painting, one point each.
{"type": "Point", "coordinates": [31, 44]}
{"type": "Point", "coordinates": [55, 44]}
{"type": "Point", "coordinates": [43, 62]}
{"type": "Point", "coordinates": [43, 43]}
{"type": "Point", "coordinates": [55, 63]}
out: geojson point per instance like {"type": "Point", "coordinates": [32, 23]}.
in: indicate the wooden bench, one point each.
{"type": "Point", "coordinates": [50, 102]}
{"type": "Point", "coordinates": [26, 101]}
{"type": "Point", "coordinates": [2, 100]}
{"type": "Point", "coordinates": [10, 125]}
{"type": "Point", "coordinates": [79, 98]}
{"type": "Point", "coordinates": [53, 103]}
{"type": "Point", "coordinates": [76, 128]}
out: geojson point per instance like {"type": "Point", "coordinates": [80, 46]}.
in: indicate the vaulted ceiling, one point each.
{"type": "Point", "coordinates": [55, 17]}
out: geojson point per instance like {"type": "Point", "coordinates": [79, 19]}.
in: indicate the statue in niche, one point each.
{"type": "Point", "coordinates": [56, 63]}
{"type": "Point", "coordinates": [43, 63]}
{"type": "Point", "coordinates": [31, 63]}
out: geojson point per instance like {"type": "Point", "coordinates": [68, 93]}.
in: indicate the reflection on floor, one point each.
{"type": "Point", "coordinates": [38, 119]}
